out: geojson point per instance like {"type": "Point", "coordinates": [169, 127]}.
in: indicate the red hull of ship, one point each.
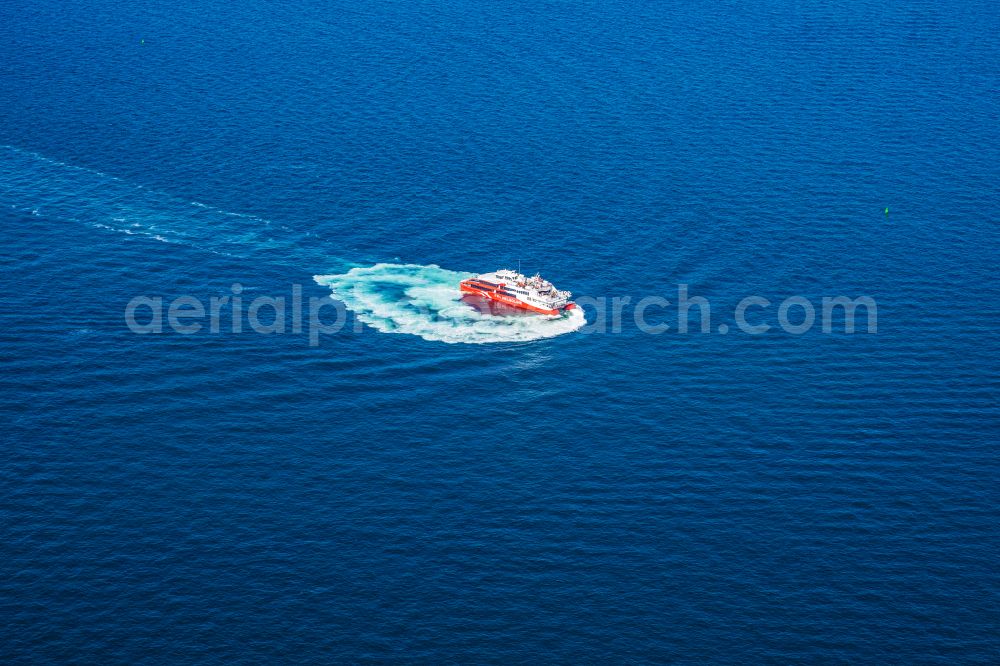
{"type": "Point", "coordinates": [494, 295]}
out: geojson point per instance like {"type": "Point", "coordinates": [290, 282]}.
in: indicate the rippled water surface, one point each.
{"type": "Point", "coordinates": [552, 492]}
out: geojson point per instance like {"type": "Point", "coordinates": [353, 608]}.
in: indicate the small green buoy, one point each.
{"type": "Point", "coordinates": [887, 211]}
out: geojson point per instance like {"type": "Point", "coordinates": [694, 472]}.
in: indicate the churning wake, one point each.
{"type": "Point", "coordinates": [425, 301]}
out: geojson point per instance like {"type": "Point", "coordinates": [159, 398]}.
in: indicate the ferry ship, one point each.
{"type": "Point", "coordinates": [519, 291]}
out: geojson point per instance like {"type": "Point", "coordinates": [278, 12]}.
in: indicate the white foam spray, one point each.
{"type": "Point", "coordinates": [425, 301]}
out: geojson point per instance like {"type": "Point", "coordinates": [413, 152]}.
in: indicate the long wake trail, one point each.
{"type": "Point", "coordinates": [52, 190]}
{"type": "Point", "coordinates": [411, 299]}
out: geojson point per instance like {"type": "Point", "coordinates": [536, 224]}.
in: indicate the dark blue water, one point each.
{"type": "Point", "coordinates": [434, 485]}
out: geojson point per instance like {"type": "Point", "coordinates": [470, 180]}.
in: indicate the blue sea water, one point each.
{"type": "Point", "coordinates": [435, 485]}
